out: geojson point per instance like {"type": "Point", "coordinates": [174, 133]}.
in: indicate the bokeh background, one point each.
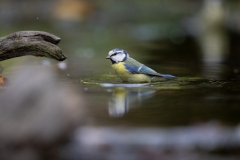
{"type": "Point", "coordinates": [59, 117]}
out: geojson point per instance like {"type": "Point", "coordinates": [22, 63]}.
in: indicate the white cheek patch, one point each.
{"type": "Point", "coordinates": [118, 57]}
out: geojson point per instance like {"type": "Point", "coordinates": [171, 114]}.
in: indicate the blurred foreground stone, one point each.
{"type": "Point", "coordinates": [201, 142]}
{"type": "Point", "coordinates": [36, 114]}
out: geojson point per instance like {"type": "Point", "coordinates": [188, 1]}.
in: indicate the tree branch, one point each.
{"type": "Point", "coordinates": [35, 43]}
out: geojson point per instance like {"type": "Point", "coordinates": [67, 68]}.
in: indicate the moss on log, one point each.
{"type": "Point", "coordinates": [35, 43]}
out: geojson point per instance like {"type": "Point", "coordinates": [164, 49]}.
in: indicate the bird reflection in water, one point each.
{"type": "Point", "coordinates": [124, 98]}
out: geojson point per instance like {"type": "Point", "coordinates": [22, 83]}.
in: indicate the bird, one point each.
{"type": "Point", "coordinates": [130, 70]}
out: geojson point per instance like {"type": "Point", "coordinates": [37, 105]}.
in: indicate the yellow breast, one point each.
{"type": "Point", "coordinates": [128, 77]}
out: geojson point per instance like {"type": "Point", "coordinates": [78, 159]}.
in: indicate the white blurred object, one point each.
{"type": "Point", "coordinates": [212, 37]}
{"type": "Point", "coordinates": [208, 26]}
{"type": "Point", "coordinates": [62, 65]}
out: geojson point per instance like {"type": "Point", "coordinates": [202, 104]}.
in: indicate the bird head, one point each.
{"type": "Point", "coordinates": [117, 55]}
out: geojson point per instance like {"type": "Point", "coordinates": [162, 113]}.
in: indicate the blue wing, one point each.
{"type": "Point", "coordinates": [146, 70]}
{"type": "Point", "coordinates": [131, 69]}
{"type": "Point", "coordinates": [141, 70]}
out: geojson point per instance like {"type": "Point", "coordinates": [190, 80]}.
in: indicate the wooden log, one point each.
{"type": "Point", "coordinates": [35, 43]}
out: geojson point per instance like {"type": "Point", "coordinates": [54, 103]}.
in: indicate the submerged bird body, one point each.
{"type": "Point", "coordinates": [127, 71]}
{"type": "Point", "coordinates": [129, 77]}
{"type": "Point", "coordinates": [130, 70]}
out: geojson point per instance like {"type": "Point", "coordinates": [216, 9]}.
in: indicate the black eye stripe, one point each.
{"type": "Point", "coordinates": [113, 54]}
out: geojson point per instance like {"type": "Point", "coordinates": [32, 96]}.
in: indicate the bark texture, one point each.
{"type": "Point", "coordinates": [35, 43]}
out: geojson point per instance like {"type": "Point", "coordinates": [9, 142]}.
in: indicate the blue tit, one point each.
{"type": "Point", "coordinates": [130, 70]}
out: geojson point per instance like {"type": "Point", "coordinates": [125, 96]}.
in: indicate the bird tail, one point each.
{"type": "Point", "coordinates": [168, 76]}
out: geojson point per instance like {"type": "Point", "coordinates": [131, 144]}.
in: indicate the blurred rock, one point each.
{"type": "Point", "coordinates": [36, 112]}
{"type": "Point", "coordinates": [193, 142]}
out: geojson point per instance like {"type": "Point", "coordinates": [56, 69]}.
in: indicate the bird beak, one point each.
{"type": "Point", "coordinates": [108, 57]}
